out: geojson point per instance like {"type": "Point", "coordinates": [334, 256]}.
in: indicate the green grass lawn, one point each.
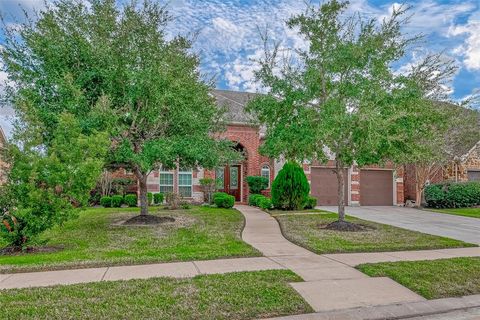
{"type": "Point", "coordinates": [466, 212]}
{"type": "Point", "coordinates": [243, 295]}
{"type": "Point", "coordinates": [307, 231]}
{"type": "Point", "coordinates": [432, 279]}
{"type": "Point", "coordinates": [94, 239]}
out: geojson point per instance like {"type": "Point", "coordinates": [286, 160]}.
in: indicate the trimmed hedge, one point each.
{"type": "Point", "coordinates": [223, 200]}
{"type": "Point", "coordinates": [453, 195]}
{"type": "Point", "coordinates": [158, 198]}
{"type": "Point", "coordinates": [311, 203]}
{"type": "Point", "coordinates": [131, 200]}
{"type": "Point", "coordinates": [117, 201]}
{"type": "Point", "coordinates": [265, 203]}
{"type": "Point", "coordinates": [106, 201]}
{"type": "Point", "coordinates": [253, 199]}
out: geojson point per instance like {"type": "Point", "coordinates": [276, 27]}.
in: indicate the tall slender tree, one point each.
{"type": "Point", "coordinates": [341, 97]}
{"type": "Point", "coordinates": [115, 70]}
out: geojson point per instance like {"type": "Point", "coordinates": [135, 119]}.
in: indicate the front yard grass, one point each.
{"type": "Point", "coordinates": [466, 212]}
{"type": "Point", "coordinates": [96, 239]}
{"type": "Point", "coordinates": [432, 279]}
{"type": "Point", "coordinates": [306, 230]}
{"type": "Point", "coordinates": [243, 295]}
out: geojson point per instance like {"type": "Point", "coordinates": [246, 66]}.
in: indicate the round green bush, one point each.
{"type": "Point", "coordinates": [131, 200]}
{"type": "Point", "coordinates": [224, 200]}
{"type": "Point", "coordinates": [158, 198]}
{"type": "Point", "coordinates": [106, 201]}
{"type": "Point", "coordinates": [311, 203]}
{"type": "Point", "coordinates": [253, 199]}
{"type": "Point", "coordinates": [117, 201]}
{"type": "Point", "coordinates": [256, 184]}
{"type": "Point", "coordinates": [290, 188]}
{"type": "Point", "coordinates": [265, 203]}
{"type": "Point", "coordinates": [150, 198]}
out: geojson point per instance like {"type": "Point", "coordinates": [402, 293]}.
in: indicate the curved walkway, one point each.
{"type": "Point", "coordinates": [331, 283]}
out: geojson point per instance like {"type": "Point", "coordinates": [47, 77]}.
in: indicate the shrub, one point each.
{"type": "Point", "coordinates": [223, 200]}
{"type": "Point", "coordinates": [208, 185]}
{"type": "Point", "coordinates": [158, 198]}
{"type": "Point", "coordinates": [106, 202]}
{"type": "Point", "coordinates": [150, 198]}
{"type": "Point", "coordinates": [257, 183]}
{"type": "Point", "coordinates": [265, 203]}
{"type": "Point", "coordinates": [117, 201]}
{"type": "Point", "coordinates": [453, 195]}
{"type": "Point", "coordinates": [311, 203]}
{"type": "Point", "coordinates": [131, 200]}
{"type": "Point", "coordinates": [253, 199]}
{"type": "Point", "coordinates": [173, 200]}
{"type": "Point", "coordinates": [290, 188]}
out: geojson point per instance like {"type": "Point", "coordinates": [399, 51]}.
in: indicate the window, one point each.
{"type": "Point", "coordinates": [266, 173]}
{"type": "Point", "coordinates": [166, 182]}
{"type": "Point", "coordinates": [185, 183]}
{"type": "Point", "coordinates": [220, 178]}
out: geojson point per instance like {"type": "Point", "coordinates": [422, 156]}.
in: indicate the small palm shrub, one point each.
{"type": "Point", "coordinates": [106, 201]}
{"type": "Point", "coordinates": [257, 184]}
{"type": "Point", "coordinates": [117, 201]}
{"type": "Point", "coordinates": [290, 188]}
{"type": "Point", "coordinates": [131, 200]}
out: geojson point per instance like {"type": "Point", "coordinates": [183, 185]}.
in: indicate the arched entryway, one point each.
{"type": "Point", "coordinates": [230, 178]}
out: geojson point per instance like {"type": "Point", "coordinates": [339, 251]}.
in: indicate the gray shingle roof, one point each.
{"type": "Point", "coordinates": [235, 103]}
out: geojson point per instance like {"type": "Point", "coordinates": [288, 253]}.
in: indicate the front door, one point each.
{"type": "Point", "coordinates": [229, 180]}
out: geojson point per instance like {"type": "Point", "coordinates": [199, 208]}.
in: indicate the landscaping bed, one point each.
{"type": "Point", "coordinates": [99, 237]}
{"type": "Point", "coordinates": [243, 295]}
{"type": "Point", "coordinates": [432, 279]}
{"type": "Point", "coordinates": [309, 231]}
{"type": "Point", "coordinates": [466, 212]}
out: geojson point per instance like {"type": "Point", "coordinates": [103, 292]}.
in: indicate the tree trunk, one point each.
{"type": "Point", "coordinates": [142, 184]}
{"type": "Point", "coordinates": [341, 191]}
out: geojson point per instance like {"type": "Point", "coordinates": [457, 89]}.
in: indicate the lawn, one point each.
{"type": "Point", "coordinates": [466, 212]}
{"type": "Point", "coordinates": [243, 295]}
{"type": "Point", "coordinates": [96, 239]}
{"type": "Point", "coordinates": [432, 279]}
{"type": "Point", "coordinates": [307, 231]}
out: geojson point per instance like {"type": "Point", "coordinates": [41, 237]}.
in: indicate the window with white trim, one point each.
{"type": "Point", "coordinates": [185, 183]}
{"type": "Point", "coordinates": [166, 182]}
{"type": "Point", "coordinates": [266, 173]}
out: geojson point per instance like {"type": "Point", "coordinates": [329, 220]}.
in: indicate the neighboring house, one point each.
{"type": "Point", "coordinates": [3, 142]}
{"type": "Point", "coordinates": [464, 167]}
{"type": "Point", "coordinates": [364, 186]}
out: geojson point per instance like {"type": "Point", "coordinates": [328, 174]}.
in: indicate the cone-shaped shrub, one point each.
{"type": "Point", "coordinates": [290, 189]}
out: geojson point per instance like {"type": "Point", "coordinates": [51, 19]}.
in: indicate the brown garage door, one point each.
{"type": "Point", "coordinates": [324, 185]}
{"type": "Point", "coordinates": [376, 188]}
{"type": "Point", "coordinates": [473, 175]}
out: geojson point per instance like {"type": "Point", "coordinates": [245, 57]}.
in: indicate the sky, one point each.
{"type": "Point", "coordinates": [229, 41]}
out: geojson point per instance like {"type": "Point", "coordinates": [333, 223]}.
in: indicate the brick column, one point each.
{"type": "Point", "coordinates": [354, 186]}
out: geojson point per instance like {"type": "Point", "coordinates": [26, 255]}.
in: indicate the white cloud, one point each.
{"type": "Point", "coordinates": [470, 49]}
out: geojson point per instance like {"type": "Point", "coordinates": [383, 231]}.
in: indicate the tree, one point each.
{"type": "Point", "coordinates": [114, 70]}
{"type": "Point", "coordinates": [341, 97]}
{"type": "Point", "coordinates": [48, 185]}
{"type": "Point", "coordinates": [290, 188]}
{"type": "Point", "coordinates": [428, 157]}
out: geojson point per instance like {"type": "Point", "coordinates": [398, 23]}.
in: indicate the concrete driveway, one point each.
{"type": "Point", "coordinates": [456, 227]}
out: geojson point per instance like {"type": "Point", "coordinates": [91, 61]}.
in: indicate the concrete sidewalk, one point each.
{"type": "Point", "coordinates": [331, 282]}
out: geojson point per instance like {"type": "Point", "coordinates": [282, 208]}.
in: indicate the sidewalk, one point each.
{"type": "Point", "coordinates": [331, 282]}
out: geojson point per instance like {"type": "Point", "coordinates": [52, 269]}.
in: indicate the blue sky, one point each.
{"type": "Point", "coordinates": [228, 38]}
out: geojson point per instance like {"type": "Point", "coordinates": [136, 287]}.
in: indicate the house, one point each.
{"type": "Point", "coordinates": [371, 185]}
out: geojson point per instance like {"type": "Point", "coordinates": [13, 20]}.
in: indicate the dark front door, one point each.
{"type": "Point", "coordinates": [229, 180]}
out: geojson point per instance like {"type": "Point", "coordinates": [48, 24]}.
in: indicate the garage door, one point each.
{"type": "Point", "coordinates": [324, 186]}
{"type": "Point", "coordinates": [376, 188]}
{"type": "Point", "coordinates": [473, 175]}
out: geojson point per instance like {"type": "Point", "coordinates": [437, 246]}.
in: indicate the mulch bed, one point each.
{"type": "Point", "coordinates": [148, 219]}
{"type": "Point", "coordinates": [346, 226]}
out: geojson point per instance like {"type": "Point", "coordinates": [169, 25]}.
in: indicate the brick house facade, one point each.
{"type": "Point", "coordinates": [371, 185]}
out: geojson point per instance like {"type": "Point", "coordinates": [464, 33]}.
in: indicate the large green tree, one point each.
{"type": "Point", "coordinates": [341, 97]}
{"type": "Point", "coordinates": [115, 70]}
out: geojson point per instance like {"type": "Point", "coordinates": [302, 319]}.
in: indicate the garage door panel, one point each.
{"type": "Point", "coordinates": [376, 187]}
{"type": "Point", "coordinates": [324, 186]}
{"type": "Point", "coordinates": [473, 175]}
